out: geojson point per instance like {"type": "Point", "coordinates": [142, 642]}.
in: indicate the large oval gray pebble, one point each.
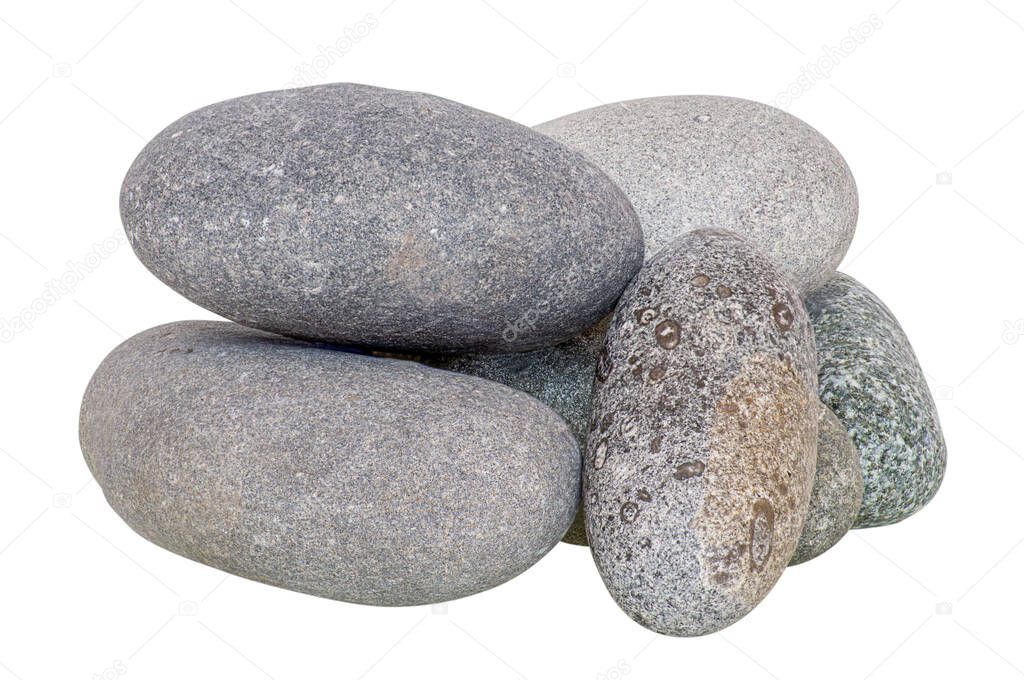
{"type": "Point", "coordinates": [365, 216]}
{"type": "Point", "coordinates": [869, 376]}
{"type": "Point", "coordinates": [837, 492]}
{"type": "Point", "coordinates": [701, 454]}
{"type": "Point", "coordinates": [363, 479]}
{"type": "Point", "coordinates": [692, 162]}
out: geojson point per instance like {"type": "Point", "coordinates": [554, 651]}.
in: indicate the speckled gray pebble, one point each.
{"type": "Point", "coordinates": [363, 479]}
{"type": "Point", "coordinates": [869, 376]}
{"type": "Point", "coordinates": [837, 491]}
{"type": "Point", "coordinates": [691, 162]}
{"type": "Point", "coordinates": [561, 377]}
{"type": "Point", "coordinates": [702, 447]}
{"type": "Point", "coordinates": [380, 218]}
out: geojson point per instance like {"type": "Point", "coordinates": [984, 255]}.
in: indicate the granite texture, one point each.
{"type": "Point", "coordinates": [357, 478]}
{"type": "Point", "coordinates": [692, 162]}
{"type": "Point", "coordinates": [869, 376]}
{"type": "Point", "coordinates": [561, 376]}
{"type": "Point", "coordinates": [364, 216]}
{"type": "Point", "coordinates": [837, 492]}
{"type": "Point", "coordinates": [701, 453]}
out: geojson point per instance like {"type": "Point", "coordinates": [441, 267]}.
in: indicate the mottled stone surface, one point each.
{"type": "Point", "coordinates": [837, 491]}
{"type": "Point", "coordinates": [561, 376]}
{"type": "Point", "coordinates": [363, 479]}
{"type": "Point", "coordinates": [692, 162]}
{"type": "Point", "coordinates": [577, 532]}
{"type": "Point", "coordinates": [869, 376]}
{"type": "Point", "coordinates": [380, 218]}
{"type": "Point", "coordinates": [701, 453]}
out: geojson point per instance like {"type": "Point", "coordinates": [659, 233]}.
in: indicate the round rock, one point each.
{"type": "Point", "coordinates": [371, 217]}
{"type": "Point", "coordinates": [702, 447]}
{"type": "Point", "coordinates": [352, 477]}
{"type": "Point", "coordinates": [837, 491]}
{"type": "Point", "coordinates": [561, 376]}
{"type": "Point", "coordinates": [869, 376]}
{"type": "Point", "coordinates": [692, 162]}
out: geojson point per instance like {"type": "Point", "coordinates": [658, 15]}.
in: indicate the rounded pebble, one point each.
{"type": "Point", "coordinates": [692, 162]}
{"type": "Point", "coordinates": [351, 477]}
{"type": "Point", "coordinates": [379, 218]}
{"type": "Point", "coordinates": [701, 452]}
{"type": "Point", "coordinates": [869, 376]}
{"type": "Point", "coordinates": [837, 492]}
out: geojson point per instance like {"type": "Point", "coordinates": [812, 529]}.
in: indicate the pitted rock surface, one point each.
{"type": "Point", "coordinates": [701, 453]}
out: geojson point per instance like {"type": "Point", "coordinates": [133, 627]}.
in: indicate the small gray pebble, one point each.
{"type": "Point", "coordinates": [692, 162]}
{"type": "Point", "coordinates": [380, 218]}
{"type": "Point", "coordinates": [352, 477]}
{"type": "Point", "coordinates": [701, 453]}
{"type": "Point", "coordinates": [869, 376]}
{"type": "Point", "coordinates": [561, 377]}
{"type": "Point", "coordinates": [837, 491]}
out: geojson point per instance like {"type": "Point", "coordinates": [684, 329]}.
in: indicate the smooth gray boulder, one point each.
{"type": "Point", "coordinates": [352, 477]}
{"type": "Point", "coordinates": [693, 162]}
{"type": "Point", "coordinates": [561, 376]}
{"type": "Point", "coordinates": [379, 218]}
{"type": "Point", "coordinates": [837, 492]}
{"type": "Point", "coordinates": [869, 376]}
{"type": "Point", "coordinates": [702, 447]}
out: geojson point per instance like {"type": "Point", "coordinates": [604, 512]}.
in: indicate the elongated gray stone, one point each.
{"type": "Point", "coordinates": [692, 162]}
{"type": "Point", "coordinates": [379, 218]}
{"type": "Point", "coordinates": [702, 447]}
{"type": "Point", "coordinates": [561, 376]}
{"type": "Point", "coordinates": [869, 376]}
{"type": "Point", "coordinates": [837, 492]}
{"type": "Point", "coordinates": [363, 479]}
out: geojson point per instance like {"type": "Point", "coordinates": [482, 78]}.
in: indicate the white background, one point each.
{"type": "Point", "coordinates": [935, 89]}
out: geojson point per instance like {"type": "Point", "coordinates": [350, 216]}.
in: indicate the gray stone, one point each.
{"type": "Point", "coordinates": [560, 376]}
{"type": "Point", "coordinates": [701, 453]}
{"type": "Point", "coordinates": [379, 218]}
{"type": "Point", "coordinates": [837, 491]}
{"type": "Point", "coordinates": [869, 376]}
{"type": "Point", "coordinates": [351, 477]}
{"type": "Point", "coordinates": [692, 162]}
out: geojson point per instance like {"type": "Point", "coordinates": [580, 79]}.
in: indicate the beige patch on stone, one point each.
{"type": "Point", "coordinates": [758, 479]}
{"type": "Point", "coordinates": [414, 266]}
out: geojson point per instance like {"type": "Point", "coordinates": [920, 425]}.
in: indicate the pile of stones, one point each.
{"type": "Point", "coordinates": [456, 341]}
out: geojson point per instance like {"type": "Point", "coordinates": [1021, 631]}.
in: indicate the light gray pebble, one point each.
{"type": "Point", "coordinates": [837, 492]}
{"type": "Point", "coordinates": [692, 162]}
{"type": "Point", "coordinates": [701, 453]}
{"type": "Point", "coordinates": [869, 376]}
{"type": "Point", "coordinates": [364, 216]}
{"type": "Point", "coordinates": [352, 477]}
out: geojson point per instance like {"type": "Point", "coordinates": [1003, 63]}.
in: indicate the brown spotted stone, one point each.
{"type": "Point", "coordinates": [696, 493]}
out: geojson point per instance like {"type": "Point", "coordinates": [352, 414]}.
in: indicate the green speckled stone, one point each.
{"type": "Point", "coordinates": [561, 376]}
{"type": "Point", "coordinates": [869, 376]}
